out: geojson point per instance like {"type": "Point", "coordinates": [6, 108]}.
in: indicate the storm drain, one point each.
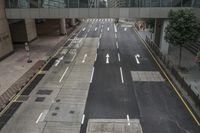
{"type": "Point", "coordinates": [40, 99]}
{"type": "Point", "coordinates": [44, 92]}
{"type": "Point", "coordinates": [22, 98]}
{"type": "Point", "coordinates": [54, 114]}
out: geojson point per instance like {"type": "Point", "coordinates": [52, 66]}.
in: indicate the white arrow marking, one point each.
{"type": "Point", "coordinates": [63, 74]}
{"type": "Point", "coordinates": [125, 29]}
{"type": "Point", "coordinates": [136, 57]}
{"type": "Point", "coordinates": [58, 61]}
{"type": "Point", "coordinates": [108, 29]}
{"type": "Point", "coordinates": [95, 29]}
{"type": "Point", "coordinates": [83, 118]}
{"type": "Point", "coordinates": [107, 58]}
{"type": "Point", "coordinates": [84, 58]}
{"type": "Point", "coordinates": [128, 120]}
{"type": "Point", "coordinates": [84, 29]}
{"type": "Point", "coordinates": [115, 28]}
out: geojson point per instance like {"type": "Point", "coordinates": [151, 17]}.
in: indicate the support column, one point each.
{"type": "Point", "coordinates": [73, 21]}
{"type": "Point", "coordinates": [164, 46]}
{"type": "Point", "coordinates": [30, 29]}
{"type": "Point", "coordinates": [6, 46]}
{"type": "Point", "coordinates": [157, 30]}
{"type": "Point", "coordinates": [63, 30]}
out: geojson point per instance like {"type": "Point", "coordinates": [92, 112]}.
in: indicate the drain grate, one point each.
{"type": "Point", "coordinates": [39, 99]}
{"type": "Point", "coordinates": [54, 114]}
{"type": "Point", "coordinates": [57, 108]}
{"type": "Point", "coordinates": [57, 100]}
{"type": "Point", "coordinates": [44, 92]}
{"type": "Point", "coordinates": [22, 98]}
{"type": "Point", "coordinates": [71, 111]}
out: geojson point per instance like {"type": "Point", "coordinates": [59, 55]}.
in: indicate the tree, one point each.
{"type": "Point", "coordinates": [183, 28]}
{"type": "Point", "coordinates": [151, 23]}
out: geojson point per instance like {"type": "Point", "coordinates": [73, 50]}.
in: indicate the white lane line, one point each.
{"type": "Point", "coordinates": [58, 61]}
{"type": "Point", "coordinates": [64, 74]}
{"type": "Point", "coordinates": [92, 75]}
{"type": "Point", "coordinates": [107, 58]}
{"type": "Point", "coordinates": [125, 29]}
{"type": "Point", "coordinates": [122, 78]}
{"type": "Point", "coordinates": [84, 29]}
{"type": "Point", "coordinates": [108, 29]}
{"type": "Point", "coordinates": [96, 57]}
{"type": "Point", "coordinates": [83, 118]}
{"type": "Point", "coordinates": [115, 35]}
{"type": "Point", "coordinates": [100, 35]}
{"type": "Point", "coordinates": [128, 119]}
{"type": "Point", "coordinates": [117, 45]}
{"type": "Point", "coordinates": [95, 29]}
{"type": "Point", "coordinates": [119, 57]}
{"type": "Point", "coordinates": [115, 27]}
{"type": "Point", "coordinates": [84, 58]}
{"type": "Point", "coordinates": [98, 45]}
{"type": "Point", "coordinates": [101, 30]}
{"type": "Point", "coordinates": [39, 118]}
{"type": "Point", "coordinates": [73, 58]}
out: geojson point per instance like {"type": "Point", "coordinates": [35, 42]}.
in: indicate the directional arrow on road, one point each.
{"type": "Point", "coordinates": [83, 61]}
{"type": "Point", "coordinates": [58, 61]}
{"type": "Point", "coordinates": [107, 58]}
{"type": "Point", "coordinates": [136, 57]}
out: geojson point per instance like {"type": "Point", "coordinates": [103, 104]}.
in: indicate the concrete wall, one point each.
{"type": "Point", "coordinates": [5, 37]}
{"type": "Point", "coordinates": [30, 29]}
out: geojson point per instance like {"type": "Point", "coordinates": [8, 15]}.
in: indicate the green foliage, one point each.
{"type": "Point", "coordinates": [151, 23]}
{"type": "Point", "coordinates": [183, 27]}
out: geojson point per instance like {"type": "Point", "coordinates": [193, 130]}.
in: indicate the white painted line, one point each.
{"type": "Point", "coordinates": [92, 75]}
{"type": "Point", "coordinates": [115, 35]}
{"type": "Point", "coordinates": [84, 29]}
{"type": "Point", "coordinates": [108, 29]}
{"type": "Point", "coordinates": [95, 29]}
{"type": "Point", "coordinates": [83, 118]}
{"type": "Point", "coordinates": [119, 57]}
{"type": "Point", "coordinates": [58, 61]}
{"type": "Point", "coordinates": [98, 45]}
{"type": "Point", "coordinates": [125, 29]}
{"type": "Point", "coordinates": [101, 30]}
{"type": "Point", "coordinates": [107, 58]}
{"type": "Point", "coordinates": [122, 78]}
{"type": "Point", "coordinates": [73, 58]}
{"type": "Point", "coordinates": [115, 27]}
{"type": "Point", "coordinates": [96, 57]}
{"type": "Point", "coordinates": [100, 35]}
{"type": "Point", "coordinates": [136, 58]}
{"type": "Point", "coordinates": [84, 58]}
{"type": "Point", "coordinates": [128, 120]}
{"type": "Point", "coordinates": [117, 45]}
{"type": "Point", "coordinates": [64, 74]}
{"type": "Point", "coordinates": [39, 118]}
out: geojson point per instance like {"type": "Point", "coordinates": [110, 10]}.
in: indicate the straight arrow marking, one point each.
{"type": "Point", "coordinates": [107, 58]}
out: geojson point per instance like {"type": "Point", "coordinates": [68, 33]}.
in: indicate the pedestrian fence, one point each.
{"type": "Point", "coordinates": [171, 67]}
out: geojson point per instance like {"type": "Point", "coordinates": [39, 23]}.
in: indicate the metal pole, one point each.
{"type": "Point", "coordinates": [28, 53]}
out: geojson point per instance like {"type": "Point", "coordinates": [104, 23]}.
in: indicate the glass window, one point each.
{"type": "Point", "coordinates": [73, 3]}
{"type": "Point", "coordinates": [84, 3]}
{"type": "Point", "coordinates": [166, 3]}
{"type": "Point", "coordinates": [134, 3]}
{"type": "Point", "coordinates": [155, 3]}
{"type": "Point", "coordinates": [176, 3]}
{"type": "Point", "coordinates": [197, 3]}
{"type": "Point", "coordinates": [145, 3]}
{"type": "Point", "coordinates": [187, 3]}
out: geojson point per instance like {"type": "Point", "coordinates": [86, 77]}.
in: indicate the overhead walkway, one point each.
{"type": "Point", "coordinates": [95, 8]}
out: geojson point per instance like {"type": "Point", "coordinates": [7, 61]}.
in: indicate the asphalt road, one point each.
{"type": "Point", "coordinates": [95, 78]}
{"type": "Point", "coordinates": [155, 104]}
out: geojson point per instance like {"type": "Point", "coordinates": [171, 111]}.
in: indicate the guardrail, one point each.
{"type": "Point", "coordinates": [174, 72]}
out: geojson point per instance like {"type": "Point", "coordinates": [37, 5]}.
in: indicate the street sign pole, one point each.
{"type": "Point", "coordinates": [28, 53]}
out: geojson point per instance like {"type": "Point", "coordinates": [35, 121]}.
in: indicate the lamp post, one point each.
{"type": "Point", "coordinates": [28, 53]}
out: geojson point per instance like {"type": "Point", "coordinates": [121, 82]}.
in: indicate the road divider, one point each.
{"type": "Point", "coordinates": [121, 73]}
{"type": "Point", "coordinates": [64, 74]}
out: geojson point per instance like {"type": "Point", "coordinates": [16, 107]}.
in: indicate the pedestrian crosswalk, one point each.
{"type": "Point", "coordinates": [100, 20]}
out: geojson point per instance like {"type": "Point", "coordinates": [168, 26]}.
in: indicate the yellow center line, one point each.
{"type": "Point", "coordinates": [171, 83]}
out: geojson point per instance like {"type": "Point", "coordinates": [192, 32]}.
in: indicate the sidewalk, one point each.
{"type": "Point", "coordinates": [15, 66]}
{"type": "Point", "coordinates": [191, 71]}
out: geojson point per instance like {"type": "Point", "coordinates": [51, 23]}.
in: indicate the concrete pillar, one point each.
{"type": "Point", "coordinates": [30, 29]}
{"type": "Point", "coordinates": [63, 30]}
{"type": "Point", "coordinates": [157, 30]}
{"type": "Point", "coordinates": [73, 21]}
{"type": "Point", "coordinates": [164, 46]}
{"type": "Point", "coordinates": [6, 46]}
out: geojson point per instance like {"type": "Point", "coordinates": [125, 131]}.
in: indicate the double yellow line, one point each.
{"type": "Point", "coordinates": [169, 80]}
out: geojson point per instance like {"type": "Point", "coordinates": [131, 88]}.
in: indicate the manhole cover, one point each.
{"type": "Point", "coordinates": [44, 92]}
{"type": "Point", "coordinates": [57, 100]}
{"type": "Point", "coordinates": [71, 112]}
{"type": "Point", "coordinates": [40, 99]}
{"type": "Point", "coordinates": [54, 114]}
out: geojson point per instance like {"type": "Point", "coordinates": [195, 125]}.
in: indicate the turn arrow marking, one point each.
{"type": "Point", "coordinates": [136, 57]}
